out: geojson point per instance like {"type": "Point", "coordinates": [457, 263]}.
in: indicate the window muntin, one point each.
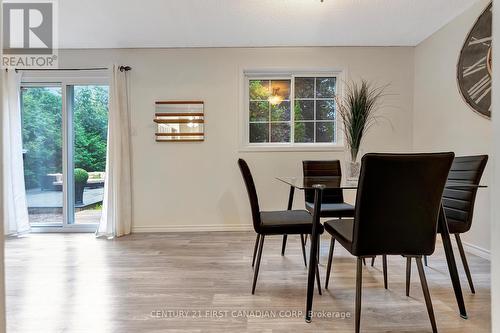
{"type": "Point", "coordinates": [271, 100]}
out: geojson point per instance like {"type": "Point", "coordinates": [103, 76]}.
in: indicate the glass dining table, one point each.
{"type": "Point", "coordinates": [318, 184]}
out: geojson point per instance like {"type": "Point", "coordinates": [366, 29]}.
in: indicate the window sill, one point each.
{"type": "Point", "coordinates": [292, 148]}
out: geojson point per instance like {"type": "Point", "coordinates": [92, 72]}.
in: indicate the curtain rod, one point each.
{"type": "Point", "coordinates": [122, 69]}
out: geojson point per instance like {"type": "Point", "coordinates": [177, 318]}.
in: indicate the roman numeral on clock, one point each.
{"type": "Point", "coordinates": [476, 67]}
{"type": "Point", "coordinates": [479, 90]}
{"type": "Point", "coordinates": [485, 41]}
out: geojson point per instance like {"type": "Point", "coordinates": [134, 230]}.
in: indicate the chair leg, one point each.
{"type": "Point", "coordinates": [384, 264]}
{"type": "Point", "coordinates": [283, 246]}
{"type": "Point", "coordinates": [318, 280]}
{"type": "Point", "coordinates": [303, 243]}
{"type": "Point", "coordinates": [359, 279]}
{"type": "Point", "coordinates": [256, 271]}
{"type": "Point", "coordinates": [408, 275]}
{"type": "Point", "coordinates": [464, 262]}
{"type": "Point", "coordinates": [364, 261]}
{"type": "Point", "coordinates": [425, 261]}
{"type": "Point", "coordinates": [305, 239]}
{"type": "Point", "coordinates": [373, 261]}
{"type": "Point", "coordinates": [319, 248]}
{"type": "Point", "coordinates": [427, 296]}
{"type": "Point", "coordinates": [329, 265]}
{"type": "Point", "coordinates": [255, 249]}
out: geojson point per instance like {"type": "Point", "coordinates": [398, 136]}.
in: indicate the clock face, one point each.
{"type": "Point", "coordinates": [474, 65]}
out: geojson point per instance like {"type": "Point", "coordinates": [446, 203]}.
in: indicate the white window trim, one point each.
{"type": "Point", "coordinates": [247, 74]}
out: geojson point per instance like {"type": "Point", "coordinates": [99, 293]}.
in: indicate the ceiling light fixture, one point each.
{"type": "Point", "coordinates": [275, 99]}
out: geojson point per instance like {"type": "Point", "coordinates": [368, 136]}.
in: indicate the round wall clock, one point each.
{"type": "Point", "coordinates": [474, 65]}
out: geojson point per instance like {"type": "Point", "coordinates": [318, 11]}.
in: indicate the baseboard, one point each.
{"type": "Point", "coordinates": [468, 248]}
{"type": "Point", "coordinates": [192, 228]}
{"type": "Point", "coordinates": [476, 250]}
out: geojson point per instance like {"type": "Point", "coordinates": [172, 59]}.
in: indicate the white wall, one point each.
{"type": "Point", "coordinates": [495, 226]}
{"type": "Point", "coordinates": [442, 121]}
{"type": "Point", "coordinates": [2, 275]}
{"type": "Point", "coordinates": [197, 186]}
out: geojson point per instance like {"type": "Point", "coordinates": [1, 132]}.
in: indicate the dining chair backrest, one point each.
{"type": "Point", "coordinates": [252, 193]}
{"type": "Point", "coordinates": [398, 203]}
{"type": "Point", "coordinates": [330, 169]}
{"type": "Point", "coordinates": [459, 203]}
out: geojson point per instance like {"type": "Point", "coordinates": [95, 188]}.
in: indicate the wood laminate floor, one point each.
{"type": "Point", "coordinates": [201, 282]}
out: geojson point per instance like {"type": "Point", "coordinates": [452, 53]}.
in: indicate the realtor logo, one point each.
{"type": "Point", "coordinates": [29, 34]}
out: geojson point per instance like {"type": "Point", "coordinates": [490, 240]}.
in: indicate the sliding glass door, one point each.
{"type": "Point", "coordinates": [64, 145]}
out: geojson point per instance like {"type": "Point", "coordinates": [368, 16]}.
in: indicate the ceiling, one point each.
{"type": "Point", "coordinates": [251, 23]}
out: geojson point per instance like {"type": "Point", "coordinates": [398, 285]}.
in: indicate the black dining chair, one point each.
{"type": "Point", "coordinates": [459, 205]}
{"type": "Point", "coordinates": [291, 222]}
{"type": "Point", "coordinates": [397, 209]}
{"type": "Point", "coordinates": [332, 204]}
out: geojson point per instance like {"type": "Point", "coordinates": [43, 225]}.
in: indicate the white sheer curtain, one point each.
{"type": "Point", "coordinates": [14, 196]}
{"type": "Point", "coordinates": [116, 218]}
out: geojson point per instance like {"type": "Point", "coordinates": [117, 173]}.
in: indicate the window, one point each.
{"type": "Point", "coordinates": [291, 110]}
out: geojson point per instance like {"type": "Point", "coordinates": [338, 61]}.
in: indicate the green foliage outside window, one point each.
{"type": "Point", "coordinates": [300, 127]}
{"type": "Point", "coordinates": [42, 135]}
{"type": "Point", "coordinates": [91, 127]}
{"type": "Point", "coordinates": [259, 90]}
{"type": "Point", "coordinates": [42, 130]}
{"type": "Point", "coordinates": [81, 176]}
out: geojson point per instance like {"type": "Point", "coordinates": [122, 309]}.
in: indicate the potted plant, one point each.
{"type": "Point", "coordinates": [81, 177]}
{"type": "Point", "coordinates": [358, 108]}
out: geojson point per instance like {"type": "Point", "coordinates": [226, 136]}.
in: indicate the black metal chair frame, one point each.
{"type": "Point", "coordinates": [261, 234]}
{"type": "Point", "coordinates": [320, 168]}
{"type": "Point", "coordinates": [459, 174]}
{"type": "Point", "coordinates": [369, 226]}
